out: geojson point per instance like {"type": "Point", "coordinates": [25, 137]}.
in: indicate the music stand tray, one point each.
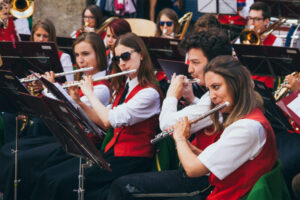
{"type": "Point", "coordinates": [268, 60]}
{"type": "Point", "coordinates": [170, 67]}
{"type": "Point", "coordinates": [40, 57]}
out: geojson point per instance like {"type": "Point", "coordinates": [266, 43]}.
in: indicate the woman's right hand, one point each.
{"type": "Point", "coordinates": [50, 76]}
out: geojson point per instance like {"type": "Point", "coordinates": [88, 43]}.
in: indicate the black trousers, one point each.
{"type": "Point", "coordinates": [59, 181]}
{"type": "Point", "coordinates": [172, 184]}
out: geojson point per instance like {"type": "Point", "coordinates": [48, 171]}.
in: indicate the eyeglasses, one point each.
{"type": "Point", "coordinates": [162, 23]}
{"type": "Point", "coordinates": [255, 19]}
{"type": "Point", "coordinates": [124, 56]}
{"type": "Point", "coordinates": [88, 17]}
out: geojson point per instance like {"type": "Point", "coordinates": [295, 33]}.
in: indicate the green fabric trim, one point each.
{"type": "Point", "coordinates": [270, 186]}
{"type": "Point", "coordinates": [107, 138]}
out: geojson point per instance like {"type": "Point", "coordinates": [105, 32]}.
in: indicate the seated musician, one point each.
{"type": "Point", "coordinates": [206, 22]}
{"type": "Point", "coordinates": [201, 48]}
{"type": "Point", "coordinates": [116, 28]}
{"type": "Point", "coordinates": [259, 18]}
{"type": "Point", "coordinates": [241, 138]}
{"type": "Point", "coordinates": [39, 153]}
{"type": "Point", "coordinates": [91, 21]}
{"type": "Point", "coordinates": [43, 30]}
{"type": "Point", "coordinates": [134, 117]}
{"type": "Point", "coordinates": [7, 26]}
{"type": "Point", "coordinates": [167, 24]}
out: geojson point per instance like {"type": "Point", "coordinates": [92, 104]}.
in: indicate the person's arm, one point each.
{"type": "Point", "coordinates": [291, 82]}
{"type": "Point", "coordinates": [152, 10]}
{"type": "Point", "coordinates": [192, 166]}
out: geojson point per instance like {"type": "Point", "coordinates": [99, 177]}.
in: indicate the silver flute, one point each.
{"type": "Point", "coordinates": [76, 83]}
{"type": "Point", "coordinates": [165, 134]}
{"type": "Point", "coordinates": [26, 80]}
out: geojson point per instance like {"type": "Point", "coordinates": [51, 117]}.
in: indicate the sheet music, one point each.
{"type": "Point", "coordinates": [225, 6]}
{"type": "Point", "coordinates": [295, 105]}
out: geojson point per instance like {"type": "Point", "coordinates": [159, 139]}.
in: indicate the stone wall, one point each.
{"type": "Point", "coordinates": [65, 14]}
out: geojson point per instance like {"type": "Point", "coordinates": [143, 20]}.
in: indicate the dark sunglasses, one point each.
{"type": "Point", "coordinates": [162, 23]}
{"type": "Point", "coordinates": [124, 56]}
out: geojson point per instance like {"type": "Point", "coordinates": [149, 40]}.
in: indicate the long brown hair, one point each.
{"type": "Point", "coordinates": [47, 25]}
{"type": "Point", "coordinates": [145, 72]}
{"type": "Point", "coordinates": [170, 14]}
{"type": "Point", "coordinates": [97, 44]}
{"type": "Point", "coordinates": [241, 85]}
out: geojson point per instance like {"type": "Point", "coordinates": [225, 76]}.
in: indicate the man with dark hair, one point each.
{"type": "Point", "coordinates": [259, 18]}
{"type": "Point", "coordinates": [201, 47]}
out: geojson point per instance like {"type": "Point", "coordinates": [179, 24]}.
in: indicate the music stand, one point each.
{"type": "Point", "coordinates": [163, 48]}
{"type": "Point", "coordinates": [226, 7]}
{"type": "Point", "coordinates": [268, 60]}
{"type": "Point", "coordinates": [40, 57]}
{"type": "Point", "coordinates": [170, 67]}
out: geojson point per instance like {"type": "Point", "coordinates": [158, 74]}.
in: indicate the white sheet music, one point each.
{"type": "Point", "coordinates": [295, 105]}
{"type": "Point", "coordinates": [225, 6]}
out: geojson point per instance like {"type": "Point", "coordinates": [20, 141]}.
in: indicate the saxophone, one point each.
{"type": "Point", "coordinates": [282, 90]}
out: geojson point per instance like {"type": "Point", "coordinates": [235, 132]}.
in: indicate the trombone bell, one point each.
{"type": "Point", "coordinates": [22, 8]}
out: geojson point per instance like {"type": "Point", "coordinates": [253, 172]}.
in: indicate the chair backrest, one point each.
{"type": "Point", "coordinates": [270, 186]}
{"type": "Point", "coordinates": [142, 27]}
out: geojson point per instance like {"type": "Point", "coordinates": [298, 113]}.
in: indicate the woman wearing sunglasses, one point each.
{"type": "Point", "coordinates": [134, 117]}
{"type": "Point", "coordinates": [167, 23]}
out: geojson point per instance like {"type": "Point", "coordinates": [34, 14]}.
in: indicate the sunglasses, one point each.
{"type": "Point", "coordinates": [162, 23]}
{"type": "Point", "coordinates": [124, 56]}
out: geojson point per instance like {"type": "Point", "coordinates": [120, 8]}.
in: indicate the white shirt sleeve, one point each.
{"type": "Point", "coordinates": [102, 93]}
{"type": "Point", "coordinates": [142, 106]}
{"type": "Point", "coordinates": [241, 141]}
{"type": "Point", "coordinates": [278, 42]}
{"type": "Point", "coordinates": [67, 65]}
{"type": "Point", "coordinates": [169, 114]}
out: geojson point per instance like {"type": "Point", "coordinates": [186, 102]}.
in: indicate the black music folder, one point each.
{"type": "Point", "coordinates": [163, 48]}
{"type": "Point", "coordinates": [268, 60]}
{"type": "Point", "coordinates": [39, 57]}
{"type": "Point", "coordinates": [171, 66]}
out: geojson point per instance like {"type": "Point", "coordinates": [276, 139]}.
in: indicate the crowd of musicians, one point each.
{"type": "Point", "coordinates": [247, 149]}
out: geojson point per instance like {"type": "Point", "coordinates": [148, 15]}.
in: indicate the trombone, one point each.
{"type": "Point", "coordinates": [250, 36]}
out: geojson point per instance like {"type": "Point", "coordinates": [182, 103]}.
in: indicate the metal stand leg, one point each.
{"type": "Point", "coordinates": [80, 189]}
{"type": "Point", "coordinates": [15, 151]}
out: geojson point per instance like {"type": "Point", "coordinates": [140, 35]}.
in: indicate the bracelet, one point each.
{"type": "Point", "coordinates": [180, 140]}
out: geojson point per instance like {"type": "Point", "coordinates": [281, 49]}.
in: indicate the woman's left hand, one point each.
{"type": "Point", "coordinates": [86, 85]}
{"type": "Point", "coordinates": [182, 129]}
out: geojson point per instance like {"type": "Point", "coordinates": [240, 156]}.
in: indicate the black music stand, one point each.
{"type": "Point", "coordinates": [163, 48]}
{"type": "Point", "coordinates": [64, 43]}
{"type": "Point", "coordinates": [40, 57]}
{"type": "Point", "coordinates": [268, 60]}
{"type": "Point", "coordinates": [170, 67]}
{"type": "Point", "coordinates": [226, 7]}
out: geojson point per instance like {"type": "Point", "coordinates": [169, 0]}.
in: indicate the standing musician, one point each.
{"type": "Point", "coordinates": [39, 153]}
{"type": "Point", "coordinates": [134, 117]}
{"type": "Point", "coordinates": [241, 150]}
{"type": "Point", "coordinates": [116, 28]}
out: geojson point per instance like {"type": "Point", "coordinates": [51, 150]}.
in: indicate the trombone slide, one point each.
{"type": "Point", "coordinates": [165, 134]}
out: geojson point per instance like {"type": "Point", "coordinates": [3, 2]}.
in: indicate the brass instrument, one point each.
{"type": "Point", "coordinates": [165, 134]}
{"type": "Point", "coordinates": [184, 22]}
{"type": "Point", "coordinates": [105, 24]}
{"type": "Point", "coordinates": [25, 80]}
{"type": "Point", "coordinates": [250, 36]}
{"type": "Point", "coordinates": [76, 83]}
{"type": "Point", "coordinates": [22, 8]}
{"type": "Point", "coordinates": [282, 90]}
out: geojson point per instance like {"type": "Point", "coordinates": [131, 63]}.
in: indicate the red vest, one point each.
{"type": "Point", "coordinates": [269, 40]}
{"type": "Point", "coordinates": [104, 82]}
{"type": "Point", "coordinates": [201, 140]}
{"type": "Point", "coordinates": [232, 19]}
{"type": "Point", "coordinates": [240, 182]}
{"type": "Point", "coordinates": [134, 141]}
{"type": "Point", "coordinates": [9, 34]}
{"type": "Point", "coordinates": [60, 53]}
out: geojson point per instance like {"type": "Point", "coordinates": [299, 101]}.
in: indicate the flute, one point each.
{"type": "Point", "coordinates": [165, 134]}
{"type": "Point", "coordinates": [76, 83]}
{"type": "Point", "coordinates": [25, 80]}
{"type": "Point", "coordinates": [186, 81]}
